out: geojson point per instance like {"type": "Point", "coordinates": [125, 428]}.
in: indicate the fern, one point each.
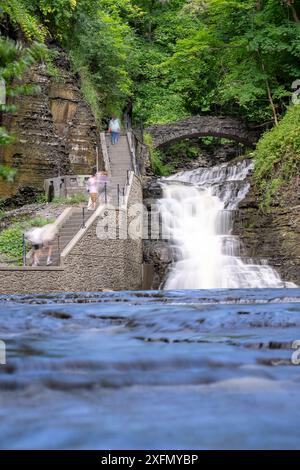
{"type": "Point", "coordinates": [19, 15]}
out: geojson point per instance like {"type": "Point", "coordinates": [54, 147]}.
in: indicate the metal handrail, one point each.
{"type": "Point", "coordinates": [105, 193]}
{"type": "Point", "coordinates": [24, 249]}
{"type": "Point", "coordinates": [83, 217]}
{"type": "Point", "coordinates": [58, 248]}
{"type": "Point", "coordinates": [118, 194]}
{"type": "Point", "coordinates": [134, 164]}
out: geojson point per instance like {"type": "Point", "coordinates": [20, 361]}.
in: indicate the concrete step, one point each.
{"type": "Point", "coordinates": [73, 223]}
{"type": "Point", "coordinates": [124, 166]}
{"type": "Point", "coordinates": [120, 158]}
{"type": "Point", "coordinates": [67, 235]}
{"type": "Point", "coordinates": [72, 226]}
{"type": "Point", "coordinates": [120, 153]}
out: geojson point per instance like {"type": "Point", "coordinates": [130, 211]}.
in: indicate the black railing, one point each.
{"type": "Point", "coordinates": [24, 249]}
{"type": "Point", "coordinates": [83, 218]}
{"type": "Point", "coordinates": [105, 193]}
{"type": "Point", "coordinates": [58, 249]}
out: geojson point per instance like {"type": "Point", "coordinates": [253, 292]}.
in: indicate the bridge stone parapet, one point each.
{"type": "Point", "coordinates": [201, 126]}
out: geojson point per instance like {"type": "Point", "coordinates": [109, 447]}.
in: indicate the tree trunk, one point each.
{"type": "Point", "coordinates": [270, 95]}
{"type": "Point", "coordinates": [294, 13]}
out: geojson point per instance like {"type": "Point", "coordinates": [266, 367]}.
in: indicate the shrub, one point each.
{"type": "Point", "coordinates": [74, 199]}
{"type": "Point", "coordinates": [158, 167]}
{"type": "Point", "coordinates": [277, 156]}
{"type": "Point", "coordinates": [11, 238]}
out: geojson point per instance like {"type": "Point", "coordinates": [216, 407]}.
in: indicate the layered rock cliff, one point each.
{"type": "Point", "coordinates": [273, 234]}
{"type": "Point", "coordinates": [55, 130]}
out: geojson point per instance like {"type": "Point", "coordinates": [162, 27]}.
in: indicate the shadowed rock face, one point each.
{"type": "Point", "coordinates": [273, 235]}
{"type": "Point", "coordinates": [55, 131]}
{"type": "Point", "coordinates": [201, 126]}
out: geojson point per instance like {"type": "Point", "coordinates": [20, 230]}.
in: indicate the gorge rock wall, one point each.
{"type": "Point", "coordinates": [55, 130]}
{"type": "Point", "coordinates": [273, 234]}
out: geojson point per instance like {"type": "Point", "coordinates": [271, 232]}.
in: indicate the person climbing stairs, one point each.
{"type": "Point", "coordinates": [120, 164]}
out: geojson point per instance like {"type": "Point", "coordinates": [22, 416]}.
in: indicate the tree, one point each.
{"type": "Point", "coordinates": [241, 61]}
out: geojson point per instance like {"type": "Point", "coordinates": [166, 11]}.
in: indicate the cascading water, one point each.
{"type": "Point", "coordinates": [197, 213]}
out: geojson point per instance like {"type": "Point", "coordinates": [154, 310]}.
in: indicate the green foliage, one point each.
{"type": "Point", "coordinates": [167, 160]}
{"type": "Point", "coordinates": [97, 37]}
{"type": "Point", "coordinates": [5, 138]}
{"type": "Point", "coordinates": [183, 149]}
{"type": "Point", "coordinates": [277, 156]}
{"type": "Point", "coordinates": [158, 167]}
{"type": "Point", "coordinates": [41, 198]}
{"type": "Point", "coordinates": [11, 242]}
{"type": "Point", "coordinates": [11, 238]}
{"type": "Point", "coordinates": [172, 59]}
{"type": "Point", "coordinates": [71, 200]}
{"type": "Point", "coordinates": [101, 51]}
{"type": "Point", "coordinates": [38, 222]}
{"type": "Point", "coordinates": [57, 15]}
{"type": "Point", "coordinates": [21, 17]}
{"type": "Point", "coordinates": [174, 155]}
{"type": "Point", "coordinates": [7, 173]}
{"type": "Point", "coordinates": [240, 58]}
{"type": "Point", "coordinates": [15, 59]}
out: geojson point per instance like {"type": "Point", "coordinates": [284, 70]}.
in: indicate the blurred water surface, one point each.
{"type": "Point", "coordinates": [151, 370]}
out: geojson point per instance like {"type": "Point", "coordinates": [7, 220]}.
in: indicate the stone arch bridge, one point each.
{"type": "Point", "coordinates": [201, 126]}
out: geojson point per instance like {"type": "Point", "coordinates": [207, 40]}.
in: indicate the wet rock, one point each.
{"type": "Point", "coordinates": [273, 235]}
{"type": "Point", "coordinates": [159, 253]}
{"type": "Point", "coordinates": [57, 314]}
{"type": "Point", "coordinates": [24, 195]}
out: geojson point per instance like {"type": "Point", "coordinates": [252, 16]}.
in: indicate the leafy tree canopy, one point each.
{"type": "Point", "coordinates": [173, 58]}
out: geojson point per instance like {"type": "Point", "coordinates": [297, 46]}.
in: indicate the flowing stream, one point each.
{"type": "Point", "coordinates": [197, 210]}
{"type": "Point", "coordinates": [183, 369]}
{"type": "Point", "coordinates": [209, 369]}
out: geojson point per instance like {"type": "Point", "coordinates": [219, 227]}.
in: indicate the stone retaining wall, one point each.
{"type": "Point", "coordinates": [92, 264]}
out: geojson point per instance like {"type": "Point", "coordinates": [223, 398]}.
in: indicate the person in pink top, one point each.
{"type": "Point", "coordinates": [92, 187]}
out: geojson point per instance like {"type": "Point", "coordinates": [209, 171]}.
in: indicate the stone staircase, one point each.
{"type": "Point", "coordinates": [65, 234]}
{"type": "Point", "coordinates": [120, 163]}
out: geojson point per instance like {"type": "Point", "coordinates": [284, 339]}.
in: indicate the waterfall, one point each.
{"type": "Point", "coordinates": [197, 212]}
